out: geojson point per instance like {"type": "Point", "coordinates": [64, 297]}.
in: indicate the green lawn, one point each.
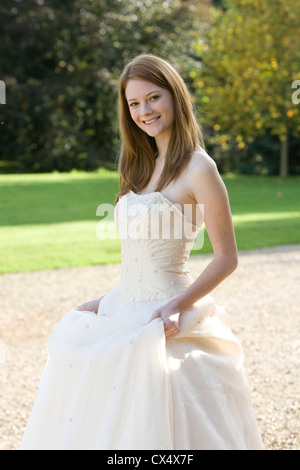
{"type": "Point", "coordinates": [266, 211]}
{"type": "Point", "coordinates": [49, 220]}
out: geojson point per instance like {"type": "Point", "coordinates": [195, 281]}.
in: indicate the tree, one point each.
{"type": "Point", "coordinates": [249, 62]}
{"type": "Point", "coordinates": [61, 62]}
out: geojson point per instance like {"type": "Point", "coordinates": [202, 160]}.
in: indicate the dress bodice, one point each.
{"type": "Point", "coordinates": [156, 239]}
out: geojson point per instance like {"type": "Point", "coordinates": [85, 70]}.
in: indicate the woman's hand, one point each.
{"type": "Point", "coordinates": [169, 315]}
{"type": "Point", "coordinates": [90, 306]}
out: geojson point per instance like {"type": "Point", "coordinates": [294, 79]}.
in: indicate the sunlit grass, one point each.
{"type": "Point", "coordinates": [266, 211]}
{"type": "Point", "coordinates": [49, 220]}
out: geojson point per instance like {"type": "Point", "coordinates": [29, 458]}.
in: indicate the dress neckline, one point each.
{"type": "Point", "coordinates": [172, 204]}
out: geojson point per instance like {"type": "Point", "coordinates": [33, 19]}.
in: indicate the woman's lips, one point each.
{"type": "Point", "coordinates": [151, 121]}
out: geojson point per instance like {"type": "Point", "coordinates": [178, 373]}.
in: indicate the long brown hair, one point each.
{"type": "Point", "coordinates": [138, 150]}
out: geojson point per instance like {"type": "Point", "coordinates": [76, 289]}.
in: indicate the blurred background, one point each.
{"type": "Point", "coordinates": [60, 63]}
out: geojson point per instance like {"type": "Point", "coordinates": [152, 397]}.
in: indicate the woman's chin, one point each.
{"type": "Point", "coordinates": [153, 132]}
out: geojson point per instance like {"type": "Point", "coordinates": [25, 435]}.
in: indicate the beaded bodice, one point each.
{"type": "Point", "coordinates": [156, 239]}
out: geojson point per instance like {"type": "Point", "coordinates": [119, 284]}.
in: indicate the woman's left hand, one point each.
{"type": "Point", "coordinates": [169, 315]}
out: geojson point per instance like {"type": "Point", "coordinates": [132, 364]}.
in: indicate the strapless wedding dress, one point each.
{"type": "Point", "coordinates": [112, 381]}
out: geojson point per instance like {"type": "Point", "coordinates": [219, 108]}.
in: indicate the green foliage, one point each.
{"type": "Point", "coordinates": [249, 60]}
{"type": "Point", "coordinates": [61, 61]}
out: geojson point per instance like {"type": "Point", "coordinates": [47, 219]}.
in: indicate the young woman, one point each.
{"type": "Point", "coordinates": [151, 365]}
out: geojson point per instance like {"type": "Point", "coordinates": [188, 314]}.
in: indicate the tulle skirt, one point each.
{"type": "Point", "coordinates": [113, 382]}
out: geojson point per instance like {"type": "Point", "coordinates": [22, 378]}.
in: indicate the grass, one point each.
{"type": "Point", "coordinates": [266, 210]}
{"type": "Point", "coordinates": [49, 220]}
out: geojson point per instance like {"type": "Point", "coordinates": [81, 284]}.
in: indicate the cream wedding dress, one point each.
{"type": "Point", "coordinates": [112, 381]}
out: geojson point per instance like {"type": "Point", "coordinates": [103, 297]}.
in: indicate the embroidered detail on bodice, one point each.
{"type": "Point", "coordinates": [156, 240]}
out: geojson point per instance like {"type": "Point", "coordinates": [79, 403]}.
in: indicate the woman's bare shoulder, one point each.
{"type": "Point", "coordinates": [202, 177]}
{"type": "Point", "coordinates": [201, 164]}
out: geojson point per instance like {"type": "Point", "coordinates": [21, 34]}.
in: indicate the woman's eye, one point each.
{"type": "Point", "coordinates": [133, 105]}
{"type": "Point", "coordinates": [154, 98]}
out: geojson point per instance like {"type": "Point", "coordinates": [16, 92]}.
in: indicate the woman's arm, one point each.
{"type": "Point", "coordinates": [208, 189]}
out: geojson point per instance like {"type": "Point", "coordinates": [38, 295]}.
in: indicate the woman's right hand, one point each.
{"type": "Point", "coordinates": [90, 306]}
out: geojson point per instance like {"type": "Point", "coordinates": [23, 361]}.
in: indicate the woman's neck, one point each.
{"type": "Point", "coordinates": [162, 148]}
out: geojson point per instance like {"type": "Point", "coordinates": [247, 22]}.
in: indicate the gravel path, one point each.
{"type": "Point", "coordinates": [262, 301]}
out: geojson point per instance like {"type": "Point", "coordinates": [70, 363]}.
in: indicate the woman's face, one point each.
{"type": "Point", "coordinates": [151, 107]}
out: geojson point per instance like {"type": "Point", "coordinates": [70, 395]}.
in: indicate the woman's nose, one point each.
{"type": "Point", "coordinates": [145, 109]}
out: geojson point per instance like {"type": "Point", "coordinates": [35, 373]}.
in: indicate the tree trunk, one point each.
{"type": "Point", "coordinates": [284, 157]}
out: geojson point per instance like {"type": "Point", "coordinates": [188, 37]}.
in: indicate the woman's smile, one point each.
{"type": "Point", "coordinates": [151, 121]}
